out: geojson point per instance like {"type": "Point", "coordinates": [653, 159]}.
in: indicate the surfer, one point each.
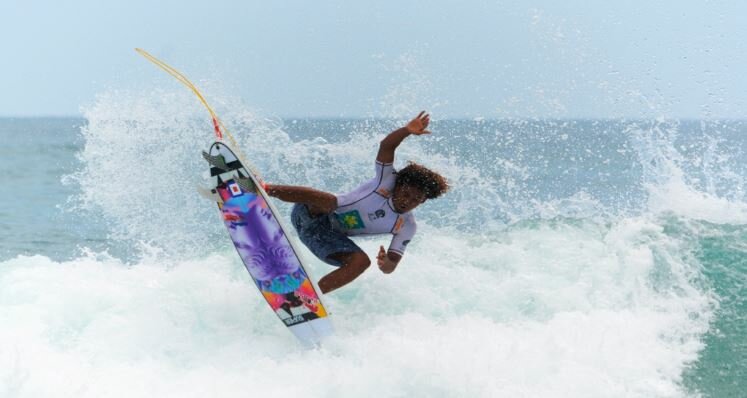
{"type": "Point", "coordinates": [382, 205]}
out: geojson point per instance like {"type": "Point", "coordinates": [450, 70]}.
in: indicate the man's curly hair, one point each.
{"type": "Point", "coordinates": [428, 181]}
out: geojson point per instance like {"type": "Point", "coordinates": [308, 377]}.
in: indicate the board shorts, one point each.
{"type": "Point", "coordinates": [318, 234]}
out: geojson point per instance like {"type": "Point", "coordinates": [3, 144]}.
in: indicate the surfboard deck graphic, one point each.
{"type": "Point", "coordinates": [257, 232]}
{"type": "Point", "coordinates": [263, 246]}
{"type": "Point", "coordinates": [267, 253]}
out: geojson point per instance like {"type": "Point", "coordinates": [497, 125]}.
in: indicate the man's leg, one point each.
{"type": "Point", "coordinates": [353, 264]}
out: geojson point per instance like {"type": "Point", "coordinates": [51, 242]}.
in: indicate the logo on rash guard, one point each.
{"type": "Point", "coordinates": [351, 220]}
{"type": "Point", "coordinates": [377, 214]}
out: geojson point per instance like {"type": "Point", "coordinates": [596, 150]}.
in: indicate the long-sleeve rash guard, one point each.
{"type": "Point", "coordinates": [368, 209]}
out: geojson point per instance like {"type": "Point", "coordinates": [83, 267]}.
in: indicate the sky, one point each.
{"type": "Point", "coordinates": [292, 58]}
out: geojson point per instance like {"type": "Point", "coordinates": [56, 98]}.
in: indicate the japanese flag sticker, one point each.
{"type": "Point", "coordinates": [234, 188]}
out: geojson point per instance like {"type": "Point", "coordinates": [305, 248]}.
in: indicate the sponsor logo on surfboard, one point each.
{"type": "Point", "coordinates": [294, 320]}
{"type": "Point", "coordinates": [300, 318]}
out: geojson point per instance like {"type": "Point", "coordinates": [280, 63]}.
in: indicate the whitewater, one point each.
{"type": "Point", "coordinates": [574, 258]}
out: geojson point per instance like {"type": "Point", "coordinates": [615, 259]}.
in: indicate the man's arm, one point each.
{"type": "Point", "coordinates": [387, 261]}
{"type": "Point", "coordinates": [319, 202]}
{"type": "Point", "coordinates": [389, 144]}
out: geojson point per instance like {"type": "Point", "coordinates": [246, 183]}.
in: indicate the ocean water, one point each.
{"type": "Point", "coordinates": [572, 258]}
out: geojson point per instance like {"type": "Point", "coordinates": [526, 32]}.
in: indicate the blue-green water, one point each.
{"type": "Point", "coordinates": [571, 258]}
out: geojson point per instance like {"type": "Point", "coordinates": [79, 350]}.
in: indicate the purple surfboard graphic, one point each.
{"type": "Point", "coordinates": [263, 246]}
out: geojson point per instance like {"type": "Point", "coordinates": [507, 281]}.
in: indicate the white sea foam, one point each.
{"type": "Point", "coordinates": [549, 309]}
{"type": "Point", "coordinates": [669, 187]}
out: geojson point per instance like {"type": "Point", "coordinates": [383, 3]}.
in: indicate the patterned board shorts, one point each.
{"type": "Point", "coordinates": [319, 236]}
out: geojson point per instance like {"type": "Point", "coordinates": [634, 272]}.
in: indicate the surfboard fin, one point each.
{"type": "Point", "coordinates": [209, 194]}
{"type": "Point", "coordinates": [246, 184]}
{"type": "Point", "coordinates": [216, 161]}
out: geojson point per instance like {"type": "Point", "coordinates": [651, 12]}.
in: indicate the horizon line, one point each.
{"type": "Point", "coordinates": [459, 118]}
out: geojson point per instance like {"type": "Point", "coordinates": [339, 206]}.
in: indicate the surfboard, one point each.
{"type": "Point", "coordinates": [269, 255]}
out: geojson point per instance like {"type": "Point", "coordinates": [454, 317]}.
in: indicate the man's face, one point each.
{"type": "Point", "coordinates": [407, 197]}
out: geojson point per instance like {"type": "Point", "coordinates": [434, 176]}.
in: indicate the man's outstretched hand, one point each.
{"type": "Point", "coordinates": [419, 125]}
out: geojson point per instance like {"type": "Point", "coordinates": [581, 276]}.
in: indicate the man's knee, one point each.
{"type": "Point", "coordinates": [359, 261]}
{"type": "Point", "coordinates": [355, 261]}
